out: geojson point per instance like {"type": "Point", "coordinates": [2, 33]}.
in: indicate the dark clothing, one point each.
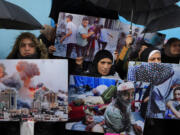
{"type": "Point", "coordinates": [86, 69]}
{"type": "Point", "coordinates": [99, 56]}
{"type": "Point", "coordinates": [93, 72]}
{"type": "Point", "coordinates": [145, 104]}
{"type": "Point", "coordinates": [57, 128]}
{"type": "Point", "coordinates": [45, 40]}
{"type": "Point", "coordinates": [167, 59]}
{"type": "Point", "coordinates": [70, 47]}
{"type": "Point", "coordinates": [81, 50]}
{"type": "Point", "coordinates": [104, 44]}
{"type": "Point", "coordinates": [49, 128]}
{"type": "Point", "coordinates": [76, 69]}
{"type": "Point", "coordinates": [161, 127]}
{"type": "Point", "coordinates": [10, 128]}
{"type": "Point", "coordinates": [121, 68]}
{"type": "Point", "coordinates": [145, 54]}
{"type": "Point", "coordinates": [90, 68]}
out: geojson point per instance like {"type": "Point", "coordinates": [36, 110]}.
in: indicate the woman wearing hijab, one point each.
{"type": "Point", "coordinates": [162, 77]}
{"type": "Point", "coordinates": [102, 65]}
{"type": "Point", "coordinates": [171, 51]}
{"type": "Point", "coordinates": [151, 55]}
{"type": "Point", "coordinates": [128, 53]}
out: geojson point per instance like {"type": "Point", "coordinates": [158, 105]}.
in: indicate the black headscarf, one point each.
{"type": "Point", "coordinates": [145, 54]}
{"type": "Point", "coordinates": [133, 55]}
{"type": "Point", "coordinates": [100, 55]}
{"type": "Point", "coordinates": [166, 56]}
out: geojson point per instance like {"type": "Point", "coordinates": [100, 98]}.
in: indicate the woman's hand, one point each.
{"type": "Point", "coordinates": [51, 49]}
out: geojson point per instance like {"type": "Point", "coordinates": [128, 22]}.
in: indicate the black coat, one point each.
{"type": "Point", "coordinates": [168, 59]}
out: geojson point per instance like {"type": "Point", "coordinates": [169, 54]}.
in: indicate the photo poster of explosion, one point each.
{"type": "Point", "coordinates": [164, 97]}
{"type": "Point", "coordinates": [104, 105]}
{"type": "Point", "coordinates": [33, 89]}
{"type": "Point", "coordinates": [103, 34]}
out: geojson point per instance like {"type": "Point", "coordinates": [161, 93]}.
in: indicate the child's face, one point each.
{"type": "Point", "coordinates": [1, 72]}
{"type": "Point", "coordinates": [177, 95]}
{"type": "Point", "coordinates": [89, 119]}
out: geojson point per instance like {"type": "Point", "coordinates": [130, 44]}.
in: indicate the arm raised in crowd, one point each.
{"type": "Point", "coordinates": [121, 60]}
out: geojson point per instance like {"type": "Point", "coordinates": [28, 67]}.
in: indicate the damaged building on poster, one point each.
{"type": "Point", "coordinates": [8, 99]}
{"type": "Point", "coordinates": [45, 99]}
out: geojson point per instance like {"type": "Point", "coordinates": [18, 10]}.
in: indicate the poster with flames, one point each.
{"type": "Point", "coordinates": [33, 90]}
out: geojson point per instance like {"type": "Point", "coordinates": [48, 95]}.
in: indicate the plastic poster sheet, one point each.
{"type": "Point", "coordinates": [33, 90]}
{"type": "Point", "coordinates": [164, 98]}
{"type": "Point", "coordinates": [101, 105]}
{"type": "Point", "coordinates": [108, 34]}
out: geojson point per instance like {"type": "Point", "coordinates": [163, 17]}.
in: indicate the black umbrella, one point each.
{"type": "Point", "coordinates": [170, 20]}
{"type": "Point", "coordinates": [137, 8]}
{"type": "Point", "coordinates": [15, 17]}
{"type": "Point", "coordinates": [84, 7]}
{"type": "Point", "coordinates": [143, 18]}
{"type": "Point", "coordinates": [137, 5]}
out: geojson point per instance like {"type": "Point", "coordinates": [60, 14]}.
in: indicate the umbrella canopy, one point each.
{"type": "Point", "coordinates": [83, 7]}
{"type": "Point", "coordinates": [170, 20]}
{"type": "Point", "coordinates": [137, 5]}
{"type": "Point", "coordinates": [143, 18]}
{"type": "Point", "coordinates": [15, 17]}
{"type": "Point", "coordinates": [135, 8]}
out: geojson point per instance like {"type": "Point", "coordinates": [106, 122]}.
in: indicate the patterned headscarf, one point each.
{"type": "Point", "coordinates": [155, 73]}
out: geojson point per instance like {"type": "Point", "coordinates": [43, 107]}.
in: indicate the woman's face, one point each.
{"type": "Point", "coordinates": [177, 95]}
{"type": "Point", "coordinates": [155, 58]}
{"type": "Point", "coordinates": [27, 47]}
{"type": "Point", "coordinates": [175, 48]}
{"type": "Point", "coordinates": [104, 66]}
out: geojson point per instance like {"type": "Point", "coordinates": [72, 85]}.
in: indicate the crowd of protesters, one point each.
{"type": "Point", "coordinates": [28, 46]}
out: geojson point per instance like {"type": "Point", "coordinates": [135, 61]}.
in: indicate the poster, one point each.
{"type": "Point", "coordinates": [164, 97]}
{"type": "Point", "coordinates": [101, 104]}
{"type": "Point", "coordinates": [33, 90]}
{"type": "Point", "coordinates": [98, 34]}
